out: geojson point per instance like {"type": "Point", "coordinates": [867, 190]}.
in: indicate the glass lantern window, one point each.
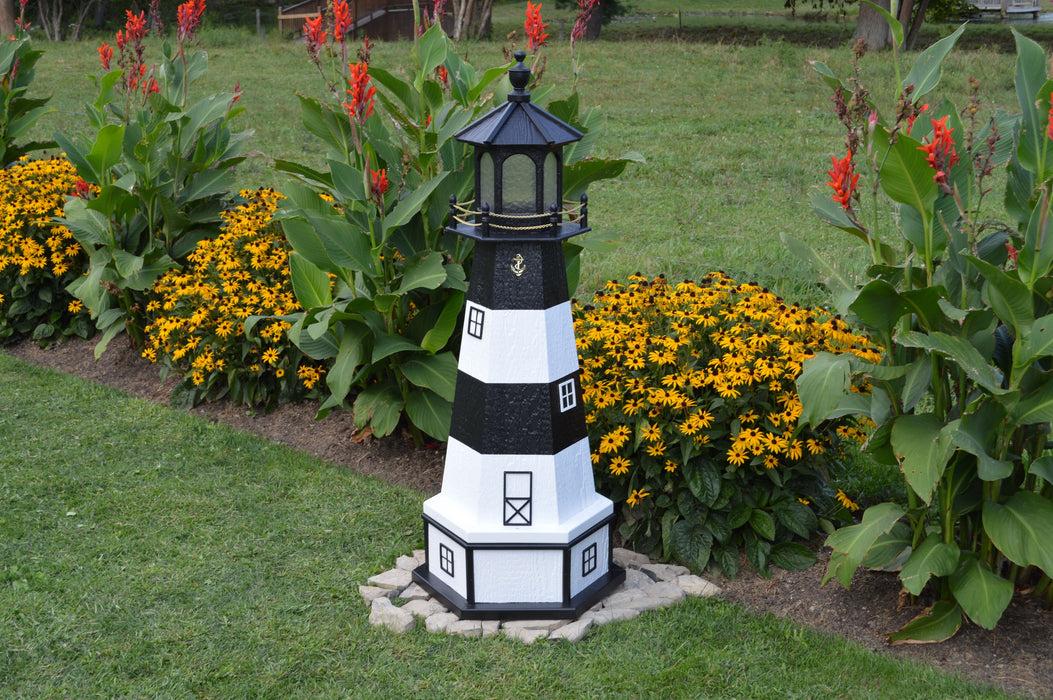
{"type": "Point", "coordinates": [486, 181]}
{"type": "Point", "coordinates": [551, 195]}
{"type": "Point", "coordinates": [519, 185]}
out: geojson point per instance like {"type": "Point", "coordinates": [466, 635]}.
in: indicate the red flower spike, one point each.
{"type": "Point", "coordinates": [911, 118]}
{"type": "Point", "coordinates": [342, 20]}
{"type": "Point", "coordinates": [1049, 126]}
{"type": "Point", "coordinates": [534, 28]}
{"type": "Point", "coordinates": [105, 55]}
{"type": "Point", "coordinates": [135, 27]}
{"type": "Point", "coordinates": [312, 30]}
{"type": "Point", "coordinates": [844, 181]}
{"type": "Point", "coordinates": [940, 153]}
{"type": "Point", "coordinates": [361, 93]}
{"type": "Point", "coordinates": [585, 8]}
{"type": "Point", "coordinates": [378, 185]}
{"type": "Point", "coordinates": [189, 16]}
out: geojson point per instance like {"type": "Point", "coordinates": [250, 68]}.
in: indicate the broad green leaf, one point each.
{"type": "Point", "coordinates": [578, 176]}
{"type": "Point", "coordinates": [905, 174]}
{"type": "Point", "coordinates": [1009, 297]}
{"type": "Point", "coordinates": [128, 265]}
{"type": "Point", "coordinates": [435, 372]}
{"type": "Point", "coordinates": [433, 46]}
{"type": "Point", "coordinates": [1031, 76]}
{"type": "Point", "coordinates": [439, 334]}
{"type": "Point", "coordinates": [961, 352]}
{"type": "Point", "coordinates": [426, 272]}
{"type": "Point", "coordinates": [925, 75]}
{"type": "Point", "coordinates": [1035, 345]}
{"type": "Point", "coordinates": [400, 89]}
{"type": "Point", "coordinates": [890, 551]}
{"type": "Point", "coordinates": [937, 624]}
{"type": "Point", "coordinates": [692, 544]}
{"type": "Point", "coordinates": [430, 412]}
{"type": "Point", "coordinates": [982, 594]}
{"type": "Point", "coordinates": [1043, 468]}
{"type": "Point", "coordinates": [344, 245]}
{"type": "Point", "coordinates": [332, 128]}
{"type": "Point", "coordinates": [106, 151]}
{"type": "Point", "coordinates": [880, 306]}
{"type": "Point", "coordinates": [303, 239]}
{"type": "Point", "coordinates": [387, 345]}
{"type": "Point", "coordinates": [1036, 407]}
{"type": "Point", "coordinates": [827, 75]}
{"type": "Point", "coordinates": [378, 407]}
{"type": "Point", "coordinates": [973, 439]}
{"type": "Point", "coordinates": [412, 204]}
{"type": "Point", "coordinates": [1022, 528]}
{"type": "Point", "coordinates": [851, 544]}
{"type": "Point", "coordinates": [797, 518]}
{"type": "Point", "coordinates": [703, 479]}
{"type": "Point", "coordinates": [310, 283]}
{"type": "Point", "coordinates": [792, 556]}
{"type": "Point", "coordinates": [347, 181]}
{"type": "Point", "coordinates": [931, 558]}
{"type": "Point", "coordinates": [824, 380]}
{"type": "Point", "coordinates": [923, 445]}
{"type": "Point", "coordinates": [1036, 255]}
{"type": "Point", "coordinates": [348, 358]}
{"type": "Point", "coordinates": [917, 382]}
{"type": "Point", "coordinates": [762, 523]}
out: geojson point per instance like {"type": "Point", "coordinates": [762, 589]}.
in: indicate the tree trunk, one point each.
{"type": "Point", "coordinates": [872, 27]}
{"type": "Point", "coordinates": [471, 18]}
{"type": "Point", "coordinates": [592, 29]}
{"type": "Point", "coordinates": [915, 25]}
{"type": "Point", "coordinates": [7, 17]}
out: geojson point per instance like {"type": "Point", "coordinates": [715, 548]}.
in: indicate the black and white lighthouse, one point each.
{"type": "Point", "coordinates": [518, 529]}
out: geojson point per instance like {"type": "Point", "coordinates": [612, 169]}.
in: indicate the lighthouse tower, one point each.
{"type": "Point", "coordinates": [518, 529]}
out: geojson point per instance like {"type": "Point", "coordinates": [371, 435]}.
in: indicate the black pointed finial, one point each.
{"type": "Point", "coordinates": [519, 76]}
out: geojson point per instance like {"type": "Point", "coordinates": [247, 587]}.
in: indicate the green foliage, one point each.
{"type": "Point", "coordinates": [19, 113]}
{"type": "Point", "coordinates": [694, 419]}
{"type": "Point", "coordinates": [37, 257]}
{"type": "Point", "coordinates": [162, 166]}
{"type": "Point", "coordinates": [374, 220]}
{"type": "Point", "coordinates": [962, 398]}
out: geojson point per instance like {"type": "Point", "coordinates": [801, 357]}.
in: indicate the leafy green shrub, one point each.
{"type": "Point", "coordinates": [963, 398]}
{"type": "Point", "coordinates": [38, 258]}
{"type": "Point", "coordinates": [163, 166]}
{"type": "Point", "coordinates": [197, 316]}
{"type": "Point", "coordinates": [693, 418]}
{"type": "Point", "coordinates": [19, 113]}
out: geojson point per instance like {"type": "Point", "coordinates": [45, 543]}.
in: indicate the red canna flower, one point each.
{"type": "Point", "coordinates": [534, 28]}
{"type": "Point", "coordinates": [912, 117]}
{"type": "Point", "coordinates": [312, 31]}
{"type": "Point", "coordinates": [1013, 252]}
{"type": "Point", "coordinates": [135, 27]}
{"type": "Point", "coordinates": [844, 181]}
{"type": "Point", "coordinates": [1049, 126]}
{"type": "Point", "coordinates": [378, 185]}
{"type": "Point", "coordinates": [105, 55]}
{"type": "Point", "coordinates": [940, 152]}
{"type": "Point", "coordinates": [361, 93]}
{"type": "Point", "coordinates": [585, 9]}
{"type": "Point", "coordinates": [81, 189]}
{"type": "Point", "coordinates": [444, 76]}
{"type": "Point", "coordinates": [189, 16]}
{"type": "Point", "coordinates": [342, 20]}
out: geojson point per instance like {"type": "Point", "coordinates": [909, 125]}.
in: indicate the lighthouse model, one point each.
{"type": "Point", "coordinates": [518, 530]}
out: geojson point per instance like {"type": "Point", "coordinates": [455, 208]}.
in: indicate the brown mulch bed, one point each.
{"type": "Point", "coordinates": [1017, 656]}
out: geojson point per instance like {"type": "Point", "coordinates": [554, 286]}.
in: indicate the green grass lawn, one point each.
{"type": "Point", "coordinates": [148, 553]}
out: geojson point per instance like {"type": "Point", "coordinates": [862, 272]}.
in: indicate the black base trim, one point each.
{"type": "Point", "coordinates": [520, 611]}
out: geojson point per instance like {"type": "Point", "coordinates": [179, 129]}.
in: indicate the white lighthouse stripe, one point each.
{"type": "Point", "coordinates": [518, 347]}
{"type": "Point", "coordinates": [564, 503]}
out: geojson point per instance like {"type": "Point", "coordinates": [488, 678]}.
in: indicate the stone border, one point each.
{"type": "Point", "coordinates": [648, 586]}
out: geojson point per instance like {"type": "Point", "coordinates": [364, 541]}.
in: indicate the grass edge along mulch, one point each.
{"type": "Point", "coordinates": [146, 552]}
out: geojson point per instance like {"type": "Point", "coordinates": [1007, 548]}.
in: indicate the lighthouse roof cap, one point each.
{"type": "Point", "coordinates": [519, 122]}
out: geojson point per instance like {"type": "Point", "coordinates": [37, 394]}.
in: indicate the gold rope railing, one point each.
{"type": "Point", "coordinates": [461, 211]}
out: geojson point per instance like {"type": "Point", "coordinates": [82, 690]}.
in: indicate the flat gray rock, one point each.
{"type": "Point", "coordinates": [383, 614]}
{"type": "Point", "coordinates": [440, 622]}
{"type": "Point", "coordinates": [629, 559]}
{"type": "Point", "coordinates": [697, 586]}
{"type": "Point", "coordinates": [371, 593]}
{"type": "Point", "coordinates": [545, 625]}
{"type": "Point", "coordinates": [414, 592]}
{"type": "Point", "coordinates": [406, 563]}
{"type": "Point", "coordinates": [424, 608]}
{"type": "Point", "coordinates": [395, 579]}
{"type": "Point", "coordinates": [572, 632]}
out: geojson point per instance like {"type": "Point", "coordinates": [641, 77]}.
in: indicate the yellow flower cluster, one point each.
{"type": "Point", "coordinates": [675, 371]}
{"type": "Point", "coordinates": [197, 315]}
{"type": "Point", "coordinates": [31, 193]}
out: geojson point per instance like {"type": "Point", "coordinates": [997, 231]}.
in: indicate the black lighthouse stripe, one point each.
{"type": "Point", "coordinates": [541, 282]}
{"type": "Point", "coordinates": [517, 418]}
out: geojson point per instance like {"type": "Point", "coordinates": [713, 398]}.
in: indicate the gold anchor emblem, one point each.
{"type": "Point", "coordinates": [518, 268]}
